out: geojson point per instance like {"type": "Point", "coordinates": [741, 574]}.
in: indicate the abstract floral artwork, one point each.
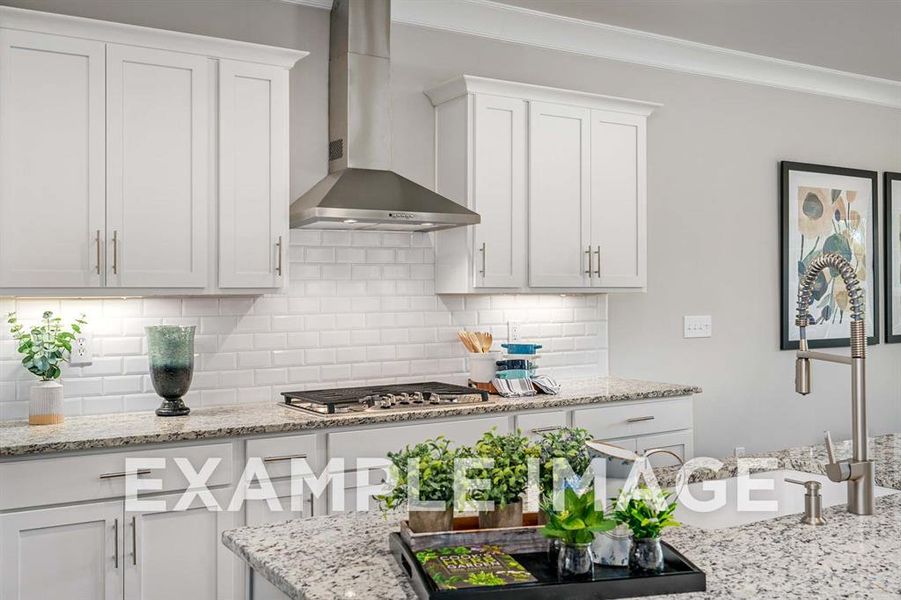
{"type": "Point", "coordinates": [893, 258]}
{"type": "Point", "coordinates": [827, 210]}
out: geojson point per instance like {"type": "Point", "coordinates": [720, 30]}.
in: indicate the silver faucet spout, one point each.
{"type": "Point", "coordinates": [859, 471]}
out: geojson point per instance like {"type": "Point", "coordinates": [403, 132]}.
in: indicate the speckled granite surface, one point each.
{"type": "Point", "coordinates": [17, 438]}
{"type": "Point", "coordinates": [851, 557]}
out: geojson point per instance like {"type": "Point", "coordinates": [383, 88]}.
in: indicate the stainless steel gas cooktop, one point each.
{"type": "Point", "coordinates": [385, 397]}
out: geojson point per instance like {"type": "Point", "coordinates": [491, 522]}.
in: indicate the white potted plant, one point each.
{"type": "Point", "coordinates": [44, 348]}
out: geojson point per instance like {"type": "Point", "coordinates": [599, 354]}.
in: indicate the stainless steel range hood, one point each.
{"type": "Point", "coordinates": [360, 191]}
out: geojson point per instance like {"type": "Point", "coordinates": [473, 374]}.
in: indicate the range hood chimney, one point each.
{"type": "Point", "coordinates": [360, 191]}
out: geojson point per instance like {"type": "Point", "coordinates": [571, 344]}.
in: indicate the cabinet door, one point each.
{"type": "Point", "coordinates": [618, 200]}
{"type": "Point", "coordinates": [157, 152]}
{"type": "Point", "coordinates": [559, 205]}
{"type": "Point", "coordinates": [179, 554]}
{"type": "Point", "coordinates": [51, 160]}
{"type": "Point", "coordinates": [253, 174]}
{"type": "Point", "coordinates": [69, 552]}
{"type": "Point", "coordinates": [499, 191]}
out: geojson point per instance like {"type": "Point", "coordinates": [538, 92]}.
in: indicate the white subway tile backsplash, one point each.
{"type": "Point", "coordinates": [359, 308]}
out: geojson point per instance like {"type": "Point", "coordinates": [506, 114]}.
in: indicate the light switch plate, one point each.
{"type": "Point", "coordinates": [82, 351]}
{"type": "Point", "coordinates": [698, 326]}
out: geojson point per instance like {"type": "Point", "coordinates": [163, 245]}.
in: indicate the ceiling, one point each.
{"type": "Point", "coordinates": [859, 36]}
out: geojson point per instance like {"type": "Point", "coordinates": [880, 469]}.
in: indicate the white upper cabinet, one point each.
{"type": "Point", "coordinates": [51, 160]}
{"type": "Point", "coordinates": [253, 174]}
{"type": "Point", "coordinates": [559, 202]}
{"type": "Point", "coordinates": [157, 150]}
{"type": "Point", "coordinates": [499, 191]}
{"type": "Point", "coordinates": [574, 220]}
{"type": "Point", "coordinates": [150, 161]}
{"type": "Point", "coordinates": [618, 200]}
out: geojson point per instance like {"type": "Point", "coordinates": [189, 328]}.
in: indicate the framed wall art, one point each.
{"type": "Point", "coordinates": [828, 210]}
{"type": "Point", "coordinates": [892, 191]}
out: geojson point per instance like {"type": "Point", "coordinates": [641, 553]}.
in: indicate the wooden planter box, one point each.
{"type": "Point", "coordinates": [466, 532]}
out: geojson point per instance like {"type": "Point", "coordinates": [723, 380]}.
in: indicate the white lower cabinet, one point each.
{"type": "Point", "coordinates": [67, 552]}
{"type": "Point", "coordinates": [178, 553]}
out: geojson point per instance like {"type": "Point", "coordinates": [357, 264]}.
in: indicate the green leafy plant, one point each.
{"type": "Point", "coordinates": [45, 346]}
{"type": "Point", "coordinates": [509, 475]}
{"type": "Point", "coordinates": [483, 578]}
{"type": "Point", "coordinates": [568, 444]}
{"type": "Point", "coordinates": [579, 521]}
{"type": "Point", "coordinates": [435, 459]}
{"type": "Point", "coordinates": [647, 513]}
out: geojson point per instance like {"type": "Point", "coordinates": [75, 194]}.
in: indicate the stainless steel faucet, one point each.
{"type": "Point", "coordinates": [858, 471]}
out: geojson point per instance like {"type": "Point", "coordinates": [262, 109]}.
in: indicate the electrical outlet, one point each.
{"type": "Point", "coordinates": [513, 334]}
{"type": "Point", "coordinates": [82, 353]}
{"type": "Point", "coordinates": [698, 326]}
{"type": "Point", "coordinates": [738, 451]}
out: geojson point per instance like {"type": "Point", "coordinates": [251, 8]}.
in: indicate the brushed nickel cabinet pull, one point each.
{"type": "Point", "coordinates": [598, 252]}
{"type": "Point", "coordinates": [97, 244]}
{"type": "Point", "coordinates": [278, 267]}
{"type": "Point", "coordinates": [484, 251]}
{"type": "Point", "coordinates": [588, 252]}
{"type": "Point", "coordinates": [125, 474]}
{"type": "Point", "coordinates": [546, 429]}
{"type": "Point", "coordinates": [272, 459]}
{"type": "Point", "coordinates": [134, 541]}
{"type": "Point", "coordinates": [116, 536]}
{"type": "Point", "coordinates": [640, 419]}
{"type": "Point", "coordinates": [115, 252]}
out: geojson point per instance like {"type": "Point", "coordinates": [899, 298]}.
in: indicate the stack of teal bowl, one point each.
{"type": "Point", "coordinates": [519, 362]}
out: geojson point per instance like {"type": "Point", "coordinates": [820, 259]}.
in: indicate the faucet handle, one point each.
{"type": "Point", "coordinates": [837, 471]}
{"type": "Point", "coordinates": [830, 448]}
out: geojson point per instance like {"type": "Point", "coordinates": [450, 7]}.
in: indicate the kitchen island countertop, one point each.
{"type": "Point", "coordinates": [17, 438]}
{"type": "Point", "coordinates": [346, 556]}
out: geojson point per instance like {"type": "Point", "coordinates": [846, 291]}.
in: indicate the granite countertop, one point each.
{"type": "Point", "coordinates": [17, 438]}
{"type": "Point", "coordinates": [346, 556]}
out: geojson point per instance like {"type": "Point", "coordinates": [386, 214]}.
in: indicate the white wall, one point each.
{"type": "Point", "coordinates": [713, 207]}
{"type": "Point", "coordinates": [713, 202]}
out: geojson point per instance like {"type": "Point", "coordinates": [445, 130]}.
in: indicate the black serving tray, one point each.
{"type": "Point", "coordinates": [679, 576]}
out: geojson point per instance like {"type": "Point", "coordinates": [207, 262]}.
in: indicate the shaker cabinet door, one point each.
{"type": "Point", "coordinates": [51, 161]}
{"type": "Point", "coordinates": [253, 175]}
{"type": "Point", "coordinates": [67, 552]}
{"type": "Point", "coordinates": [559, 203]}
{"type": "Point", "coordinates": [157, 154]}
{"type": "Point", "coordinates": [499, 191]}
{"type": "Point", "coordinates": [179, 553]}
{"type": "Point", "coordinates": [618, 200]}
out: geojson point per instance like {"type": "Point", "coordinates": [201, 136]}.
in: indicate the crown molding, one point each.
{"type": "Point", "coordinates": [326, 4]}
{"type": "Point", "coordinates": [492, 20]}
{"type": "Point", "coordinates": [470, 84]}
{"type": "Point", "coordinates": [134, 35]}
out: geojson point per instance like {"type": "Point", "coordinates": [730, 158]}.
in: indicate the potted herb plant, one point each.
{"type": "Point", "coordinates": [576, 527]}
{"type": "Point", "coordinates": [647, 513]}
{"type": "Point", "coordinates": [44, 349]}
{"type": "Point", "coordinates": [435, 461]}
{"type": "Point", "coordinates": [569, 444]}
{"type": "Point", "coordinates": [508, 477]}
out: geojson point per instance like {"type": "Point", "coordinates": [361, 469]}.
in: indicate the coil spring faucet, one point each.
{"type": "Point", "coordinates": [859, 470]}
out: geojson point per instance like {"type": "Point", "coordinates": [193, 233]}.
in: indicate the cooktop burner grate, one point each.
{"type": "Point", "coordinates": [402, 396]}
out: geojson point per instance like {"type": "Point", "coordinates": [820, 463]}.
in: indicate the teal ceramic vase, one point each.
{"type": "Point", "coordinates": [171, 350]}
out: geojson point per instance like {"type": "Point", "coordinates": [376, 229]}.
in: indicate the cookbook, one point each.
{"type": "Point", "coordinates": [462, 567]}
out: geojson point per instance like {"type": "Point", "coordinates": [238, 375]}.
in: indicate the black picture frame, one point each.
{"type": "Point", "coordinates": [788, 304]}
{"type": "Point", "coordinates": [892, 235]}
